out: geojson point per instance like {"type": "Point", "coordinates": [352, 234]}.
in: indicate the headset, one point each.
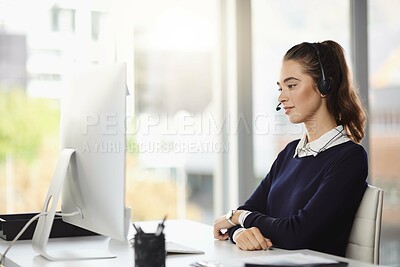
{"type": "Point", "coordinates": [324, 85]}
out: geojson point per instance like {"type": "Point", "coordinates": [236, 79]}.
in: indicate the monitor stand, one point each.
{"type": "Point", "coordinates": [43, 228]}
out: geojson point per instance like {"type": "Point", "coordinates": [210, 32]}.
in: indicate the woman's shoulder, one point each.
{"type": "Point", "coordinates": [350, 152]}
{"type": "Point", "coordinates": [345, 149]}
{"type": "Point", "coordinates": [352, 147]}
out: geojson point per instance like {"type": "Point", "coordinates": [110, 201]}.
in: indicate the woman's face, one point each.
{"type": "Point", "coordinates": [299, 95]}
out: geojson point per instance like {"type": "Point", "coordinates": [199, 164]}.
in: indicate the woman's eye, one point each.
{"type": "Point", "coordinates": [279, 89]}
{"type": "Point", "coordinates": [291, 86]}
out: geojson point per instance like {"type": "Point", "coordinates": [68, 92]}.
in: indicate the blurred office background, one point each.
{"type": "Point", "coordinates": [202, 128]}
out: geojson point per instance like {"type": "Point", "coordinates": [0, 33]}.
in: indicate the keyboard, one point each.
{"type": "Point", "coordinates": [174, 248]}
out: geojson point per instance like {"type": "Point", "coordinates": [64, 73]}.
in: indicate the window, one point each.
{"type": "Point", "coordinates": [172, 153]}
{"type": "Point", "coordinates": [277, 26]}
{"type": "Point", "coordinates": [384, 119]}
{"type": "Point", "coordinates": [170, 45]}
{"type": "Point", "coordinates": [63, 19]}
{"type": "Point", "coordinates": [98, 23]}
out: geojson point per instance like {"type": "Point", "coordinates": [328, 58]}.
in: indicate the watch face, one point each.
{"type": "Point", "coordinates": [229, 214]}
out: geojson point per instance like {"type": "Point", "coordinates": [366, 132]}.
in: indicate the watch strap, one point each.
{"type": "Point", "coordinates": [229, 218]}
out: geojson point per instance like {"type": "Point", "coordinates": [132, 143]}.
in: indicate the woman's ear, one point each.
{"type": "Point", "coordinates": [317, 90]}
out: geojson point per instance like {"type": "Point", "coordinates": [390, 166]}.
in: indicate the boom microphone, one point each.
{"type": "Point", "coordinates": [278, 107]}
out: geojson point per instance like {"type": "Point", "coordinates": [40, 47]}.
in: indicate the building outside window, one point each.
{"type": "Point", "coordinates": [63, 19]}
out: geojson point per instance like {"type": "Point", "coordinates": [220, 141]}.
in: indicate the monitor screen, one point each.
{"type": "Point", "coordinates": [92, 122]}
{"type": "Point", "coordinates": [91, 169]}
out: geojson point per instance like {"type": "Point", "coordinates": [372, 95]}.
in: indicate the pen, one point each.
{"type": "Point", "coordinates": [161, 226]}
{"type": "Point", "coordinates": [138, 229]}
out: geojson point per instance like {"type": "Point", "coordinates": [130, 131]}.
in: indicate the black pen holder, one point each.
{"type": "Point", "coordinates": [149, 250]}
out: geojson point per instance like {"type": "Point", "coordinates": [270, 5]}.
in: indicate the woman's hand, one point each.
{"type": "Point", "coordinates": [221, 223]}
{"type": "Point", "coordinates": [252, 239]}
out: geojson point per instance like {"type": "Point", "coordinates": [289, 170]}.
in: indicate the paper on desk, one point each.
{"type": "Point", "coordinates": [289, 259]}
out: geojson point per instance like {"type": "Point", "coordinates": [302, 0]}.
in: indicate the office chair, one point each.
{"type": "Point", "coordinates": [365, 234]}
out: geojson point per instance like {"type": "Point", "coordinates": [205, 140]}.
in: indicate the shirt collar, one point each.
{"type": "Point", "coordinates": [332, 138]}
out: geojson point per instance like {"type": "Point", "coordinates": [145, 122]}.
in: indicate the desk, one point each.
{"type": "Point", "coordinates": [184, 232]}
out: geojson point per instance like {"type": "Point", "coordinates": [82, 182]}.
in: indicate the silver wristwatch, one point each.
{"type": "Point", "coordinates": [229, 216]}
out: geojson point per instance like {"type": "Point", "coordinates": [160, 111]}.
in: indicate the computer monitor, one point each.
{"type": "Point", "coordinates": [91, 168]}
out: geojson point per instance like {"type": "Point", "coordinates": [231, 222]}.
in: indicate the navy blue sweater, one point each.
{"type": "Point", "coordinates": [310, 202]}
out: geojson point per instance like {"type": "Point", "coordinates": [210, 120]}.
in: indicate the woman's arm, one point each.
{"type": "Point", "coordinates": [340, 191]}
{"type": "Point", "coordinates": [257, 202]}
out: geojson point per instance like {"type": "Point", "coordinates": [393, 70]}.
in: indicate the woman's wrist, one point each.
{"type": "Point", "coordinates": [235, 217]}
{"type": "Point", "coordinates": [240, 216]}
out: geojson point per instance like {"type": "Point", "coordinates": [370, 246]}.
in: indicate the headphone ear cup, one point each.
{"type": "Point", "coordinates": [324, 86]}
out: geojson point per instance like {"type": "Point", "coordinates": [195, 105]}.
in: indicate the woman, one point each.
{"type": "Point", "coordinates": [309, 198]}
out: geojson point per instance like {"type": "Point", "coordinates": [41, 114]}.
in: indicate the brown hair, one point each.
{"type": "Point", "coordinates": [343, 101]}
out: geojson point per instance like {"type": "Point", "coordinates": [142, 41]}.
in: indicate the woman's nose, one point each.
{"type": "Point", "coordinates": [282, 97]}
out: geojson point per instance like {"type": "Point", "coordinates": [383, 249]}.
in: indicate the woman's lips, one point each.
{"type": "Point", "coordinates": [288, 109]}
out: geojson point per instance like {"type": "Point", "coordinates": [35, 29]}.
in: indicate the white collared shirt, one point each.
{"type": "Point", "coordinates": [334, 137]}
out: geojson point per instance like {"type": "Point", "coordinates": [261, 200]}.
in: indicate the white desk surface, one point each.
{"type": "Point", "coordinates": [189, 233]}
